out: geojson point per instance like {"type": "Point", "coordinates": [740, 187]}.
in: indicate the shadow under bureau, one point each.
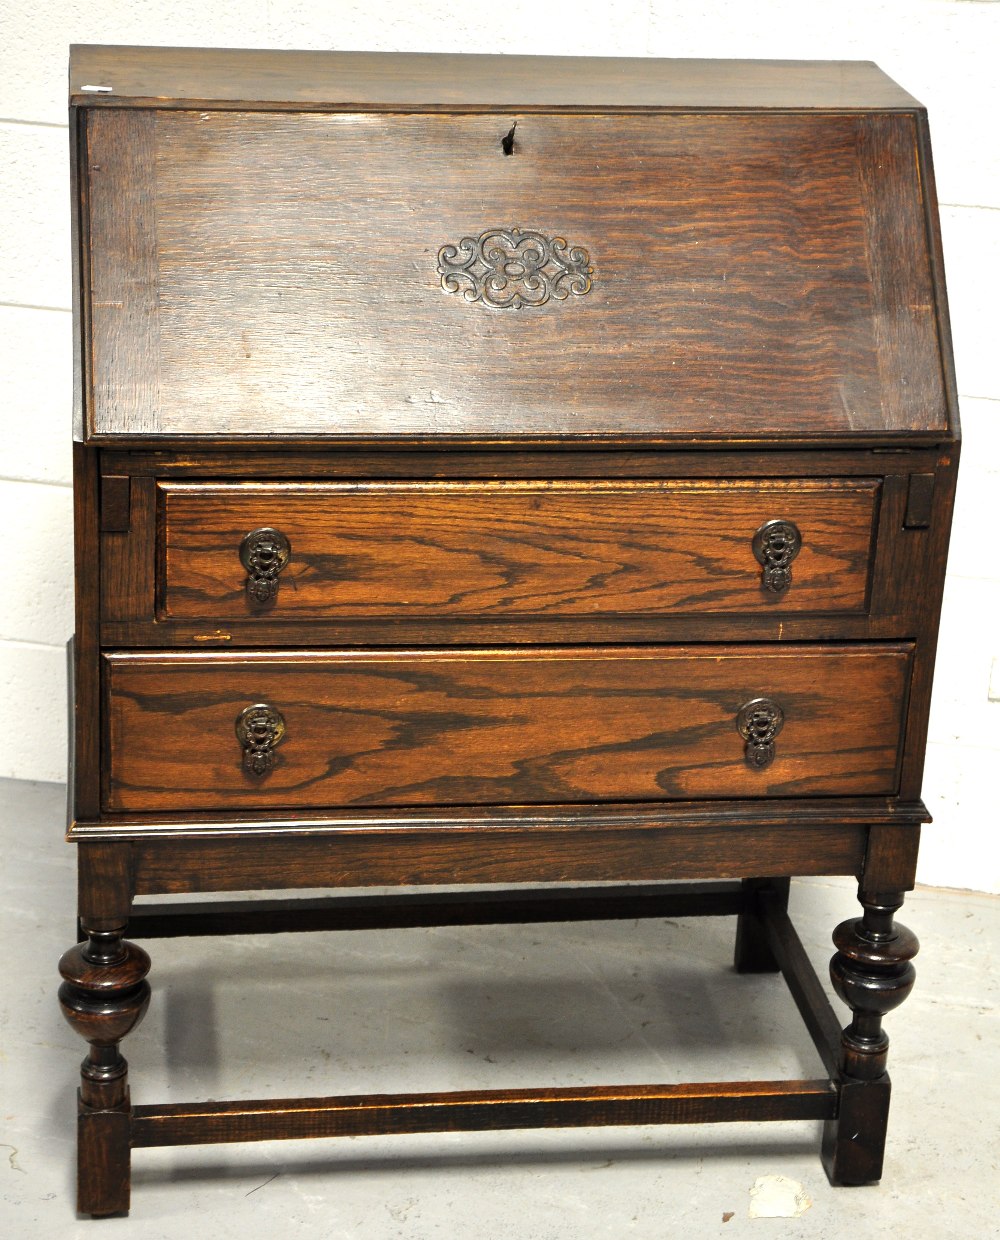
{"type": "Point", "coordinates": [524, 475]}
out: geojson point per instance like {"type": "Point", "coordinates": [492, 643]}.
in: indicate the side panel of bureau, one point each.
{"type": "Point", "coordinates": [494, 727]}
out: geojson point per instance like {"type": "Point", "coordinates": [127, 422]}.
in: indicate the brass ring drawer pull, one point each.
{"type": "Point", "coordinates": [264, 553]}
{"type": "Point", "coordinates": [258, 729]}
{"type": "Point", "coordinates": [759, 722]}
{"type": "Point", "coordinates": [775, 545]}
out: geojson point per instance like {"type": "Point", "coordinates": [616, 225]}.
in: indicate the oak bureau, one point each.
{"type": "Point", "coordinates": [530, 475]}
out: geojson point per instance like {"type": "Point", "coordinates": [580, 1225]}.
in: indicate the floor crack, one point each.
{"type": "Point", "coordinates": [12, 1157]}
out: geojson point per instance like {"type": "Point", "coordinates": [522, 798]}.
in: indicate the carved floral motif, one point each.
{"type": "Point", "coordinates": [508, 268]}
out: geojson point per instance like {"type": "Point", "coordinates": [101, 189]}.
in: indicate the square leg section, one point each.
{"type": "Point", "coordinates": [753, 953]}
{"type": "Point", "coordinates": [854, 1142]}
{"type": "Point", "coordinates": [103, 1161]}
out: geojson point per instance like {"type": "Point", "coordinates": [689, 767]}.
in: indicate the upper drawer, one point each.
{"type": "Point", "coordinates": [386, 276]}
{"type": "Point", "coordinates": [512, 549]}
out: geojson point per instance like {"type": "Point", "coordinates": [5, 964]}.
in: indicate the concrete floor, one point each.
{"type": "Point", "coordinates": [492, 1007]}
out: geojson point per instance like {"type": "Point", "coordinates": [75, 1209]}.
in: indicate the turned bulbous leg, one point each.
{"type": "Point", "coordinates": [104, 996]}
{"type": "Point", "coordinates": [872, 973]}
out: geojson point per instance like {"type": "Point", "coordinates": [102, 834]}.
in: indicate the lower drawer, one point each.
{"type": "Point", "coordinates": [502, 726]}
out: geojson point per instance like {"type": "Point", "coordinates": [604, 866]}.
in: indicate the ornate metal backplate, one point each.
{"type": "Point", "coordinates": [258, 729]}
{"type": "Point", "coordinates": [775, 545]}
{"type": "Point", "coordinates": [508, 268]}
{"type": "Point", "coordinates": [759, 722]}
{"type": "Point", "coordinates": [264, 553]}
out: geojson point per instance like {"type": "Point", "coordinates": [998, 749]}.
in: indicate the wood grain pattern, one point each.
{"type": "Point", "coordinates": [128, 557]}
{"type": "Point", "coordinates": [294, 459]}
{"type": "Point", "coordinates": [495, 727]}
{"type": "Point", "coordinates": [411, 550]}
{"type": "Point", "coordinates": [891, 858]}
{"type": "Point", "coordinates": [816, 815]}
{"type": "Point", "coordinates": [199, 76]}
{"type": "Point", "coordinates": [930, 594]}
{"type": "Point", "coordinates": [123, 368]}
{"type": "Point", "coordinates": [903, 302]}
{"type": "Point", "coordinates": [103, 1161]}
{"type": "Point", "coordinates": [105, 886]}
{"type": "Point", "coordinates": [85, 707]}
{"type": "Point", "coordinates": [250, 634]}
{"type": "Point", "coordinates": [478, 1110]}
{"type": "Point", "coordinates": [540, 854]}
{"type": "Point", "coordinates": [854, 1143]}
{"type": "Point", "coordinates": [933, 224]}
{"type": "Point", "coordinates": [742, 299]}
{"type": "Point", "coordinates": [79, 228]}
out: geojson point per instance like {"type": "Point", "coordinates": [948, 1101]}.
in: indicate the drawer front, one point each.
{"type": "Point", "coordinates": [491, 727]}
{"type": "Point", "coordinates": [512, 549]}
{"type": "Point", "coordinates": [400, 276]}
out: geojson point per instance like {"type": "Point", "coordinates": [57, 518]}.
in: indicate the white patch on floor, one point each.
{"type": "Point", "coordinates": [776, 1196]}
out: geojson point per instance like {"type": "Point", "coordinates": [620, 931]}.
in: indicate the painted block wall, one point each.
{"type": "Point", "coordinates": [943, 51]}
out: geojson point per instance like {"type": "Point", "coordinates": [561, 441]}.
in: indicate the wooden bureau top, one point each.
{"type": "Point", "coordinates": [388, 248]}
{"type": "Point", "coordinates": [166, 77]}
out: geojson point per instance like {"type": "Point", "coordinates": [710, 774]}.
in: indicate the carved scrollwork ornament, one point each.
{"type": "Point", "coordinates": [258, 729]}
{"type": "Point", "coordinates": [264, 553]}
{"type": "Point", "coordinates": [511, 268]}
{"type": "Point", "coordinates": [775, 545]}
{"type": "Point", "coordinates": [759, 722]}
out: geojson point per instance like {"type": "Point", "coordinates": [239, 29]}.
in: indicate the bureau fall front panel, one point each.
{"type": "Point", "coordinates": [500, 726]}
{"type": "Point", "coordinates": [659, 275]}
